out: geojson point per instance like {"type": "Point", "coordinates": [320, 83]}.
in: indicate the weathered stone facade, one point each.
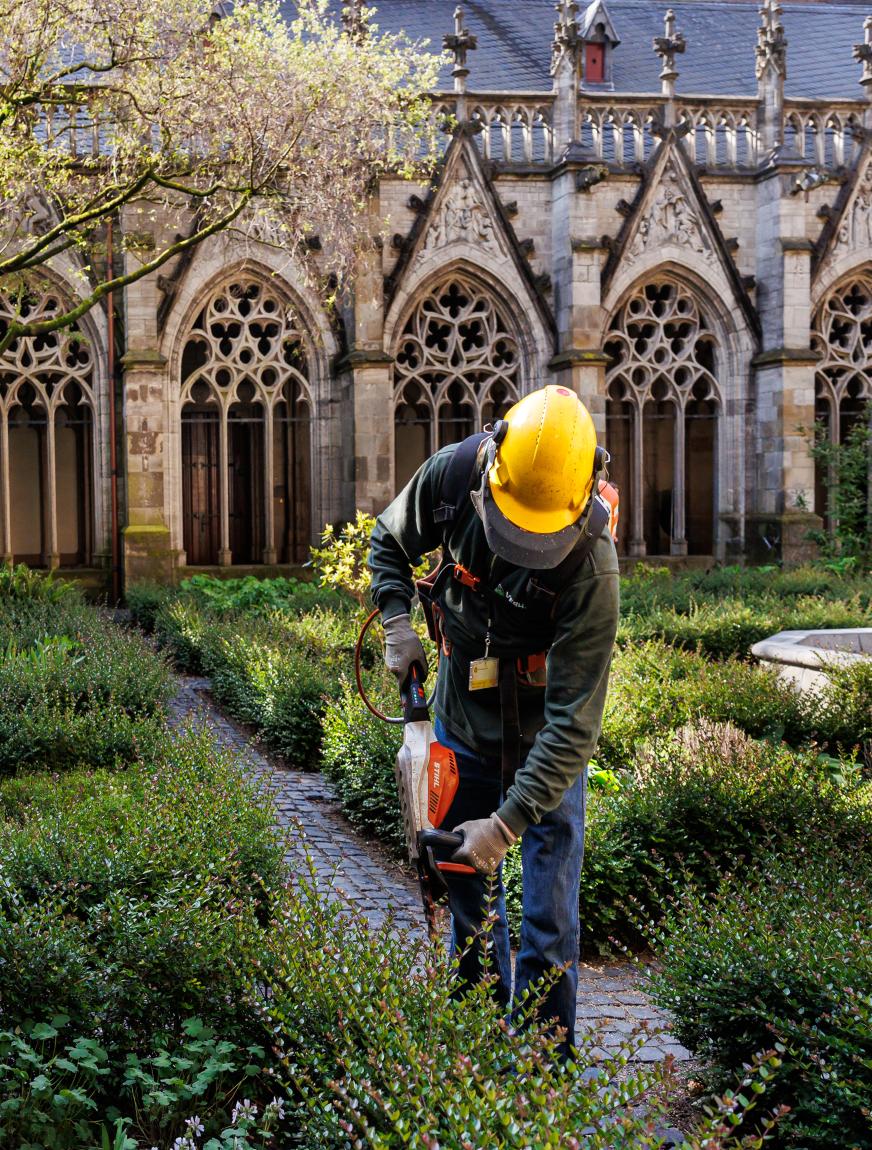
{"type": "Point", "coordinates": [698, 269]}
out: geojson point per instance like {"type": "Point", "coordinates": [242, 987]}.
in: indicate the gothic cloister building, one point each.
{"type": "Point", "coordinates": [670, 213]}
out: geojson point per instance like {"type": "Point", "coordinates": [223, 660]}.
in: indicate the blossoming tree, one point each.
{"type": "Point", "coordinates": [238, 117]}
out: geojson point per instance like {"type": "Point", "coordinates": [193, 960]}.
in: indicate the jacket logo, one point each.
{"type": "Point", "coordinates": [505, 594]}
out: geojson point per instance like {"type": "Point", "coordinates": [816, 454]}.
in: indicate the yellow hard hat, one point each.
{"type": "Point", "coordinates": [541, 467]}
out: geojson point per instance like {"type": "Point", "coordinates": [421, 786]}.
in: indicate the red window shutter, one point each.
{"type": "Point", "coordinates": [595, 63]}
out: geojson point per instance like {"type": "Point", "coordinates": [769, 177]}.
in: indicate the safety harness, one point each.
{"type": "Point", "coordinates": [543, 588]}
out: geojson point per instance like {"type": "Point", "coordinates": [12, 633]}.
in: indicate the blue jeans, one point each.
{"type": "Point", "coordinates": [551, 857]}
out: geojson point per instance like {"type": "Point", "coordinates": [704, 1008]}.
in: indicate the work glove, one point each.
{"type": "Point", "coordinates": [485, 842]}
{"type": "Point", "coordinates": [402, 647]}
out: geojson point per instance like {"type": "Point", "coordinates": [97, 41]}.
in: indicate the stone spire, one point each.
{"type": "Point", "coordinates": [771, 41]}
{"type": "Point", "coordinates": [863, 53]}
{"type": "Point", "coordinates": [771, 74]}
{"type": "Point", "coordinates": [355, 20]}
{"type": "Point", "coordinates": [459, 43]}
{"type": "Point", "coordinates": [567, 36]}
{"type": "Point", "coordinates": [667, 47]}
{"type": "Point", "coordinates": [565, 74]}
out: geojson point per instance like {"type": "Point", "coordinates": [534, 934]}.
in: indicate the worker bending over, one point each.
{"type": "Point", "coordinates": [525, 609]}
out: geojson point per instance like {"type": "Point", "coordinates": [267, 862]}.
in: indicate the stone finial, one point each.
{"type": "Point", "coordinates": [567, 35]}
{"type": "Point", "coordinates": [863, 53]}
{"type": "Point", "coordinates": [771, 41]}
{"type": "Point", "coordinates": [459, 43]}
{"type": "Point", "coordinates": [355, 20]}
{"type": "Point", "coordinates": [667, 47]}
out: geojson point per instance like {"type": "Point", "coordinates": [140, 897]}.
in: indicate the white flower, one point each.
{"type": "Point", "coordinates": [274, 1109]}
{"type": "Point", "coordinates": [194, 1124]}
{"type": "Point", "coordinates": [244, 1111]}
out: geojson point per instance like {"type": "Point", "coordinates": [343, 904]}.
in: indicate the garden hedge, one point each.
{"type": "Point", "coordinates": [782, 953]}
{"type": "Point", "coordinates": [75, 688]}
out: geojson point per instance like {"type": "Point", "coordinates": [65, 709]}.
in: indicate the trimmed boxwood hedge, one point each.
{"type": "Point", "coordinates": [75, 688]}
{"type": "Point", "coordinates": [782, 953]}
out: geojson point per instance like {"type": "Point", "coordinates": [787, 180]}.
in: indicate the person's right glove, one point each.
{"type": "Point", "coordinates": [485, 843]}
{"type": "Point", "coordinates": [402, 647]}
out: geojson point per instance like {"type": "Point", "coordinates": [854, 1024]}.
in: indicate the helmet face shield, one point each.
{"type": "Point", "coordinates": [518, 546]}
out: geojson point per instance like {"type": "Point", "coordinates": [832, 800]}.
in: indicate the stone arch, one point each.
{"type": "Point", "coordinates": [462, 355]}
{"type": "Point", "coordinates": [674, 386]}
{"type": "Point", "coordinates": [249, 382]}
{"type": "Point", "coordinates": [53, 450]}
{"type": "Point", "coordinates": [842, 336]}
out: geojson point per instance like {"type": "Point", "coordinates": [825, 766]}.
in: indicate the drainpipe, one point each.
{"type": "Point", "coordinates": [113, 451]}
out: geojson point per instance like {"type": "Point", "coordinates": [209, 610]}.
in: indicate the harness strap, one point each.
{"type": "Point", "coordinates": [511, 748]}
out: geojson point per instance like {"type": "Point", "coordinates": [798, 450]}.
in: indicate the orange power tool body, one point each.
{"type": "Point", "coordinates": [427, 779]}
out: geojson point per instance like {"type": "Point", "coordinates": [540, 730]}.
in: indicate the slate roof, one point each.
{"type": "Point", "coordinates": [514, 43]}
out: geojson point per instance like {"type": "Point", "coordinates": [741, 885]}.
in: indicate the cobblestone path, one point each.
{"type": "Point", "coordinates": [609, 997]}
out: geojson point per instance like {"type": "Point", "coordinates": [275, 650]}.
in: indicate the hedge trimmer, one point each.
{"type": "Point", "coordinates": [427, 781]}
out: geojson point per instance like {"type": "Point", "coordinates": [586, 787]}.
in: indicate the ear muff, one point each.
{"type": "Point", "coordinates": [500, 431]}
{"type": "Point", "coordinates": [600, 460]}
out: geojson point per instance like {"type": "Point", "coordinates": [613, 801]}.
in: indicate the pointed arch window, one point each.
{"type": "Point", "coordinates": [843, 381]}
{"type": "Point", "coordinates": [662, 408]}
{"type": "Point", "coordinates": [47, 442]}
{"type": "Point", "coordinates": [458, 367]}
{"type": "Point", "coordinates": [246, 424]}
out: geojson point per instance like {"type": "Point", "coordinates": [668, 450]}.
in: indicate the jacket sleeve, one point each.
{"type": "Point", "coordinates": [577, 675]}
{"type": "Point", "coordinates": [403, 534]}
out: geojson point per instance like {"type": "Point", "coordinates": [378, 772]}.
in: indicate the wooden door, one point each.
{"type": "Point", "coordinates": [200, 489]}
{"type": "Point", "coordinates": [245, 487]}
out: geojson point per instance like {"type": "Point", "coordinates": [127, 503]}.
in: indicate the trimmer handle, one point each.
{"type": "Point", "coordinates": [440, 840]}
{"type": "Point", "coordinates": [414, 696]}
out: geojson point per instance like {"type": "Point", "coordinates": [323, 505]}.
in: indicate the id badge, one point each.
{"type": "Point", "coordinates": [484, 673]}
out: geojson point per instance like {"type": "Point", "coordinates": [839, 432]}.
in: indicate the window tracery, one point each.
{"type": "Point", "coordinates": [842, 336]}
{"type": "Point", "coordinates": [662, 403]}
{"type": "Point", "coordinates": [47, 412]}
{"type": "Point", "coordinates": [246, 418]}
{"type": "Point", "coordinates": [458, 366]}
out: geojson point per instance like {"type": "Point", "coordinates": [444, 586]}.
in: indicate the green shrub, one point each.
{"type": "Point", "coordinates": [380, 1051]}
{"type": "Point", "coordinates": [255, 596]}
{"type": "Point", "coordinates": [181, 630]}
{"type": "Point", "coordinates": [692, 806]}
{"type": "Point", "coordinates": [647, 589]}
{"type": "Point", "coordinates": [784, 951]}
{"type": "Point", "coordinates": [75, 688]}
{"type": "Point", "coordinates": [22, 583]}
{"type": "Point", "coordinates": [723, 627]}
{"type": "Point", "coordinates": [145, 600]}
{"type": "Point", "coordinates": [358, 757]}
{"type": "Point", "coordinates": [64, 1093]}
{"type": "Point", "coordinates": [656, 688]}
{"type": "Point", "coordinates": [126, 896]}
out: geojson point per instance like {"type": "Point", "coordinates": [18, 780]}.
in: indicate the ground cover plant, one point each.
{"type": "Point", "coordinates": [782, 952]}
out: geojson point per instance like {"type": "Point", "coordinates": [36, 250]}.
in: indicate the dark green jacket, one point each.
{"type": "Point", "coordinates": [561, 722]}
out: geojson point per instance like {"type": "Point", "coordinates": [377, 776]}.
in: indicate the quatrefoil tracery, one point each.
{"type": "Point", "coordinates": [843, 336]}
{"type": "Point", "coordinates": [457, 348]}
{"type": "Point", "coordinates": [244, 346]}
{"type": "Point", "coordinates": [47, 370]}
{"type": "Point", "coordinates": [662, 349]}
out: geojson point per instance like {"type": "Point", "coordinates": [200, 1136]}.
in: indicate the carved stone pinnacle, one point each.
{"type": "Point", "coordinates": [771, 41]}
{"type": "Point", "coordinates": [667, 47]}
{"type": "Point", "coordinates": [863, 53]}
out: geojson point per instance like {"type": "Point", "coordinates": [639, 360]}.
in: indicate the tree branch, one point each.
{"type": "Point", "coordinates": [17, 330]}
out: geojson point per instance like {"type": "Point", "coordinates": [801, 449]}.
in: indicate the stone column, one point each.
{"type": "Point", "coordinates": [579, 257]}
{"type": "Point", "coordinates": [369, 364]}
{"type": "Point", "coordinates": [782, 489]}
{"type": "Point", "coordinates": [148, 554]}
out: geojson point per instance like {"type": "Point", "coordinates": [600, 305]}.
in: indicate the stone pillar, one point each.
{"type": "Point", "coordinates": [148, 555]}
{"type": "Point", "coordinates": [782, 495]}
{"type": "Point", "coordinates": [369, 364]}
{"type": "Point", "coordinates": [579, 257]}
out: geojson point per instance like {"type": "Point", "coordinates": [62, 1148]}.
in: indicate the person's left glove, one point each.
{"type": "Point", "coordinates": [485, 842]}
{"type": "Point", "coordinates": [402, 647]}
